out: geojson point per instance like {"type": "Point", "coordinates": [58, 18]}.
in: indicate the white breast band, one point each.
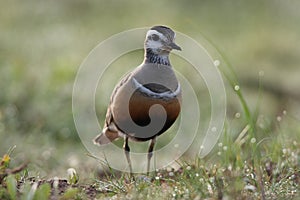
{"type": "Point", "coordinates": [162, 95]}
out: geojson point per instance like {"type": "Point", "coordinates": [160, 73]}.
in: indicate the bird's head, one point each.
{"type": "Point", "coordinates": [160, 40]}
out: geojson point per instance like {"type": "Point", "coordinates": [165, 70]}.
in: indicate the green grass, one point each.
{"type": "Point", "coordinates": [233, 171]}
{"type": "Point", "coordinates": [260, 162]}
{"type": "Point", "coordinates": [43, 44]}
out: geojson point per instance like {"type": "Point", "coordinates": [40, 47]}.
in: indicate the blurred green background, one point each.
{"type": "Point", "coordinates": [42, 44]}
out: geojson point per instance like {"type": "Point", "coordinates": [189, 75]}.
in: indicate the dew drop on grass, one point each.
{"type": "Point", "coordinates": [284, 151]}
{"type": "Point", "coordinates": [220, 144]}
{"type": "Point", "coordinates": [284, 112]}
{"type": "Point", "coordinates": [237, 115]}
{"type": "Point", "coordinates": [225, 148]}
{"type": "Point", "coordinates": [236, 87]}
{"type": "Point", "coordinates": [279, 118]}
{"type": "Point", "coordinates": [219, 153]}
{"type": "Point", "coordinates": [217, 63]}
{"type": "Point", "coordinates": [253, 140]}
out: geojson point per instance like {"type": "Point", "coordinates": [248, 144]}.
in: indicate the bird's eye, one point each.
{"type": "Point", "coordinates": [155, 37]}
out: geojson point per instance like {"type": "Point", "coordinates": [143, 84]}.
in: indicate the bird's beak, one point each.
{"type": "Point", "coordinates": [172, 45]}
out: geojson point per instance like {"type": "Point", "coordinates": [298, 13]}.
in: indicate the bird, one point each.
{"type": "Point", "coordinates": [131, 113]}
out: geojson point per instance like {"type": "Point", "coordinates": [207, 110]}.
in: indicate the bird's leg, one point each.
{"type": "Point", "coordinates": [150, 153]}
{"type": "Point", "coordinates": [127, 151]}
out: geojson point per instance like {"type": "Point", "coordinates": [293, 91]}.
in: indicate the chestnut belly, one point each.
{"type": "Point", "coordinates": [139, 107]}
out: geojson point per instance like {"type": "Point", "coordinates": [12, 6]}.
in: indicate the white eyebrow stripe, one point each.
{"type": "Point", "coordinates": [151, 32]}
{"type": "Point", "coordinates": [153, 44]}
{"type": "Point", "coordinates": [162, 95]}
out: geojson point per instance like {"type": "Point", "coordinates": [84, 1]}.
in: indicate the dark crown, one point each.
{"type": "Point", "coordinates": [166, 31]}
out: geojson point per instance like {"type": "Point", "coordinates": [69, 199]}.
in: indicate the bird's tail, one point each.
{"type": "Point", "coordinates": [105, 137]}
